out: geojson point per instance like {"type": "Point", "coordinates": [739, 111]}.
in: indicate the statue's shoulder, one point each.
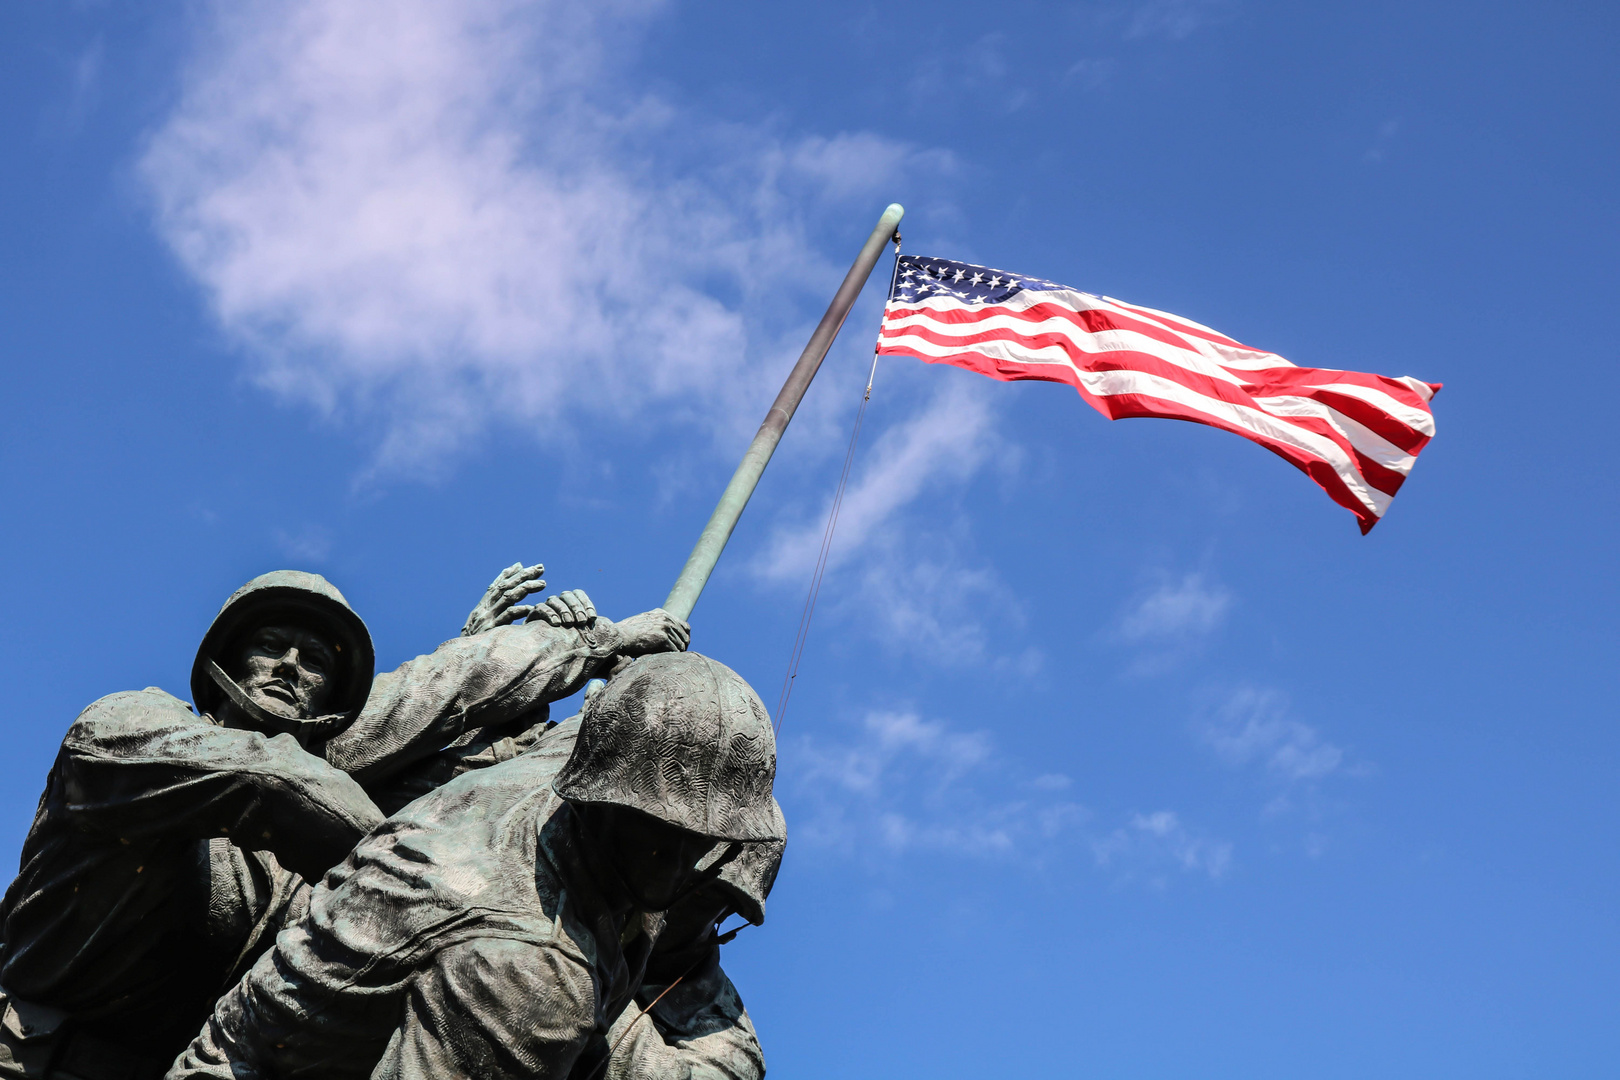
{"type": "Point", "coordinates": [474, 836]}
{"type": "Point", "coordinates": [131, 709]}
{"type": "Point", "coordinates": [455, 865]}
{"type": "Point", "coordinates": [490, 792]}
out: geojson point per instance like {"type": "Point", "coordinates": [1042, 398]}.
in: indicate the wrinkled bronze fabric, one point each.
{"type": "Point", "coordinates": [465, 937]}
{"type": "Point", "coordinates": [167, 851]}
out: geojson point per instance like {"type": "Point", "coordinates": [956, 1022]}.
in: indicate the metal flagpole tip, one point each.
{"type": "Point", "coordinates": [706, 552]}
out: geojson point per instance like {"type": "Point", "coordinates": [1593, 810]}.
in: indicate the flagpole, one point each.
{"type": "Point", "coordinates": [695, 574]}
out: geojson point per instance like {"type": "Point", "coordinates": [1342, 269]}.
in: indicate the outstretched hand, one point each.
{"type": "Point", "coordinates": [500, 603]}
{"type": "Point", "coordinates": [571, 608]}
{"type": "Point", "coordinates": [650, 632]}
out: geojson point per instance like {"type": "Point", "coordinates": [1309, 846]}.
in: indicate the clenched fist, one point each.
{"type": "Point", "coordinates": [653, 631]}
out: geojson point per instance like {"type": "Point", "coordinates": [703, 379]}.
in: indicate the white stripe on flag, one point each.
{"type": "Point", "coordinates": [1190, 370]}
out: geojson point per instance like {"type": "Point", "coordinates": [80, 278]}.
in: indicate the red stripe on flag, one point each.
{"type": "Point", "coordinates": [1128, 406]}
{"type": "Point", "coordinates": [1387, 417]}
{"type": "Point", "coordinates": [1183, 325]}
{"type": "Point", "coordinates": [1101, 360]}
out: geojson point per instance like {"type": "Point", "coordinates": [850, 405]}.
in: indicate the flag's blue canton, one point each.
{"type": "Point", "coordinates": [921, 277]}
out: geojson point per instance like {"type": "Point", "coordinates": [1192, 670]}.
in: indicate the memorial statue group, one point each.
{"type": "Point", "coordinates": [315, 872]}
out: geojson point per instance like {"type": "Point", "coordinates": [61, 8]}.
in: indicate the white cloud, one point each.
{"type": "Point", "coordinates": [1253, 725]}
{"type": "Point", "coordinates": [432, 217]}
{"type": "Point", "coordinates": [438, 214]}
{"type": "Point", "coordinates": [909, 580]}
{"type": "Point", "coordinates": [1190, 607]}
{"type": "Point", "coordinates": [1381, 142]}
{"type": "Point", "coordinates": [1174, 19]}
{"type": "Point", "coordinates": [310, 544]}
{"type": "Point", "coordinates": [945, 442]}
{"type": "Point", "coordinates": [843, 166]}
{"type": "Point", "coordinates": [905, 783]}
{"type": "Point", "coordinates": [1149, 842]}
{"type": "Point", "coordinates": [929, 605]}
{"type": "Point", "coordinates": [1091, 73]}
{"type": "Point", "coordinates": [938, 72]}
{"type": "Point", "coordinates": [66, 116]}
{"type": "Point", "coordinates": [893, 735]}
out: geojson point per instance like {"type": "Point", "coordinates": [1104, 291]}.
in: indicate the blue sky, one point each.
{"type": "Point", "coordinates": [1116, 751]}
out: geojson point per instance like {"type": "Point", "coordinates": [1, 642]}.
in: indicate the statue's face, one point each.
{"type": "Point", "coordinates": [288, 671]}
{"type": "Point", "coordinates": [653, 859]}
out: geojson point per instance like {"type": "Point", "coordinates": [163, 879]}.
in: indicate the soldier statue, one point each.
{"type": "Point", "coordinates": [521, 920]}
{"type": "Point", "coordinates": [170, 846]}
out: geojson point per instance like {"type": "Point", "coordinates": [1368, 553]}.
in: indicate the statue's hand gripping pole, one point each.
{"type": "Point", "coordinates": [683, 597]}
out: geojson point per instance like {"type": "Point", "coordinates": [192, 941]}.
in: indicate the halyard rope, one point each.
{"type": "Point", "coordinates": [720, 939]}
{"type": "Point", "coordinates": [799, 639]}
{"type": "Point", "coordinates": [832, 523]}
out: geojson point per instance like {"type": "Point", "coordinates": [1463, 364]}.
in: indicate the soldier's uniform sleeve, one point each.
{"type": "Point", "coordinates": [251, 898]}
{"type": "Point", "coordinates": [697, 1031]}
{"type": "Point", "coordinates": [139, 765]}
{"type": "Point", "coordinates": [495, 1009]}
{"type": "Point", "coordinates": [476, 749]}
{"type": "Point", "coordinates": [481, 681]}
{"type": "Point", "coordinates": [303, 1009]}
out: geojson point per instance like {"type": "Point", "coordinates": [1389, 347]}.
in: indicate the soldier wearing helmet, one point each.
{"type": "Point", "coordinates": [501, 925]}
{"type": "Point", "coordinates": [170, 846]}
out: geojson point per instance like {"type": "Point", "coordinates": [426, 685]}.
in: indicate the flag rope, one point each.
{"type": "Point", "coordinates": [719, 939]}
{"type": "Point", "coordinates": [809, 611]}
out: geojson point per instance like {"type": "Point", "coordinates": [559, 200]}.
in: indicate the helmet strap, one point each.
{"type": "Point", "coordinates": [305, 731]}
{"type": "Point", "coordinates": [703, 874]}
{"type": "Point", "coordinates": [730, 935]}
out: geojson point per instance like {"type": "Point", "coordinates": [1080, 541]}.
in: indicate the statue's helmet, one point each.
{"type": "Point", "coordinates": [684, 739]}
{"type": "Point", "coordinates": [746, 879]}
{"type": "Point", "coordinates": [300, 599]}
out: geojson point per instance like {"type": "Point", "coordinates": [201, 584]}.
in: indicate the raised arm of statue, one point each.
{"type": "Point", "coordinates": [483, 680]}
{"type": "Point", "coordinates": [468, 682]}
{"type": "Point", "coordinates": [140, 766]}
{"type": "Point", "coordinates": [500, 607]}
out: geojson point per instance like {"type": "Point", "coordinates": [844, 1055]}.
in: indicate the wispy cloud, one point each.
{"type": "Point", "coordinates": [1255, 725]}
{"type": "Point", "coordinates": [65, 117]}
{"type": "Point", "coordinates": [1169, 621]}
{"type": "Point", "coordinates": [904, 783]}
{"type": "Point", "coordinates": [309, 544]}
{"type": "Point", "coordinates": [913, 586]}
{"type": "Point", "coordinates": [1091, 73]}
{"type": "Point", "coordinates": [1382, 140]}
{"type": "Point", "coordinates": [439, 214]}
{"type": "Point", "coordinates": [945, 442]}
{"type": "Point", "coordinates": [931, 605]}
{"type": "Point", "coordinates": [1175, 19]}
{"type": "Point", "coordinates": [893, 736]}
{"type": "Point", "coordinates": [1175, 610]}
{"type": "Point", "coordinates": [1149, 843]}
{"type": "Point", "coordinates": [940, 70]}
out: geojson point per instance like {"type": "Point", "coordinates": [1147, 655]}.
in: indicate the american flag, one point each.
{"type": "Point", "coordinates": [1355, 434]}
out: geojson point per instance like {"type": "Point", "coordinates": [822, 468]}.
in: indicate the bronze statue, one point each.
{"type": "Point", "coordinates": [169, 847]}
{"type": "Point", "coordinates": [511, 924]}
